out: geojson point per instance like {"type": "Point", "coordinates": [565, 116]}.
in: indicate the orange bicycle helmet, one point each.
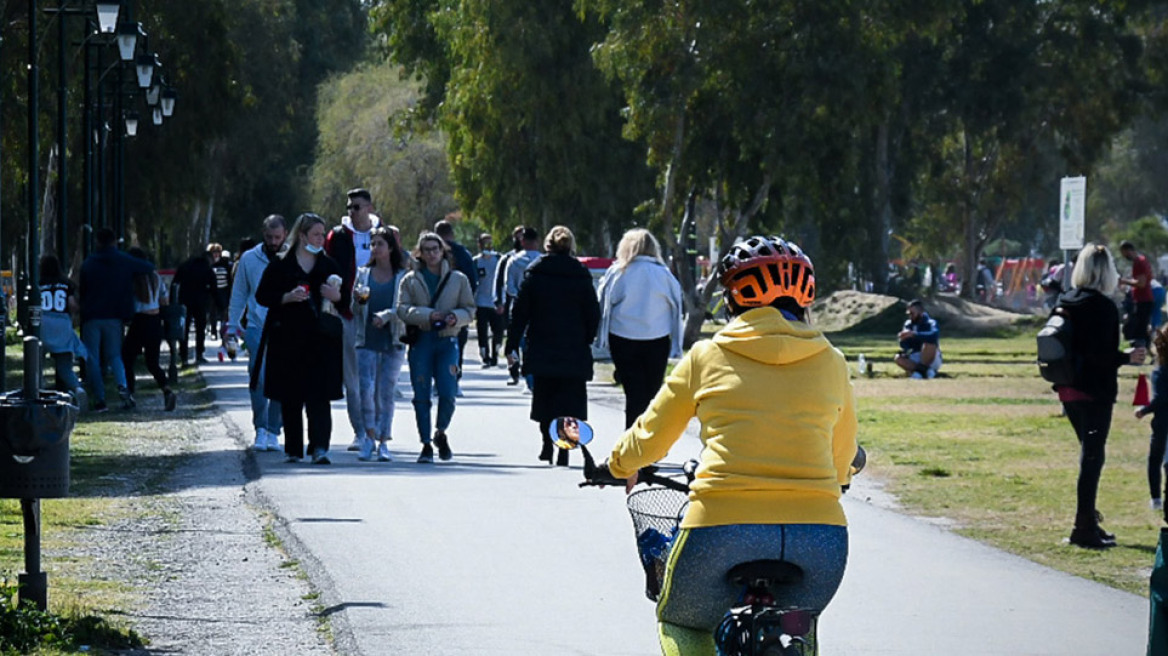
{"type": "Point", "coordinates": [760, 270]}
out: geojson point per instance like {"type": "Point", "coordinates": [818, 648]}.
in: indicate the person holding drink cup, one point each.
{"type": "Point", "coordinates": [300, 350]}
{"type": "Point", "coordinates": [380, 353]}
{"type": "Point", "coordinates": [436, 300]}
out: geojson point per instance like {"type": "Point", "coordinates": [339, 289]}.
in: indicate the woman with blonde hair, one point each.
{"type": "Point", "coordinates": [300, 349]}
{"type": "Point", "coordinates": [640, 323]}
{"type": "Point", "coordinates": [436, 301]}
{"type": "Point", "coordinates": [556, 309]}
{"type": "Point", "coordinates": [1089, 400]}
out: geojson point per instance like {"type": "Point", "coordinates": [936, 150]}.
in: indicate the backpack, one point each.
{"type": "Point", "coordinates": [1056, 360]}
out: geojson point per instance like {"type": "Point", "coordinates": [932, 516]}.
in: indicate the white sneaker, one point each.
{"type": "Point", "coordinates": [273, 441]}
{"type": "Point", "coordinates": [261, 440]}
{"type": "Point", "coordinates": [1156, 504]}
{"type": "Point", "coordinates": [356, 445]}
{"type": "Point", "coordinates": [917, 376]}
{"type": "Point", "coordinates": [383, 454]}
{"type": "Point", "coordinates": [366, 449]}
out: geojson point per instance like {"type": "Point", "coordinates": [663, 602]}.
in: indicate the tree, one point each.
{"type": "Point", "coordinates": [533, 129]}
{"type": "Point", "coordinates": [1018, 76]}
{"type": "Point", "coordinates": [406, 173]}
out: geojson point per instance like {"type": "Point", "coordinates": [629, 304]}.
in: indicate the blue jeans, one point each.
{"type": "Point", "coordinates": [378, 379]}
{"type": "Point", "coordinates": [265, 413]}
{"type": "Point", "coordinates": [66, 377]}
{"type": "Point", "coordinates": [433, 359]}
{"type": "Point", "coordinates": [696, 595]}
{"type": "Point", "coordinates": [103, 341]}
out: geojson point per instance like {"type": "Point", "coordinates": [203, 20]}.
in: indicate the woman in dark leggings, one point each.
{"type": "Point", "coordinates": [1089, 401]}
{"type": "Point", "coordinates": [145, 333]}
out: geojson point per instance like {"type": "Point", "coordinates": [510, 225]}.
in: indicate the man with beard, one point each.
{"type": "Point", "coordinates": [245, 311]}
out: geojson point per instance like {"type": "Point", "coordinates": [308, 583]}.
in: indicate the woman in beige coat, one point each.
{"type": "Point", "coordinates": [437, 301]}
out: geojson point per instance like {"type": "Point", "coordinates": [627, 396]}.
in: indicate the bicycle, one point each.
{"type": "Point", "coordinates": [758, 625]}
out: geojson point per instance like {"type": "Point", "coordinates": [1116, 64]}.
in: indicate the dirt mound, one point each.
{"type": "Point", "coordinates": [858, 312]}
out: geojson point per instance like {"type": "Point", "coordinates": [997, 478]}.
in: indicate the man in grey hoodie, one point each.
{"type": "Point", "coordinates": [265, 413]}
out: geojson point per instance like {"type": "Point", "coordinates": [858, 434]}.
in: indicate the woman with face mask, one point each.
{"type": "Point", "coordinates": [301, 344]}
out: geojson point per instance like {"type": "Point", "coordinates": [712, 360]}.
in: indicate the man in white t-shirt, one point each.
{"type": "Point", "coordinates": [348, 244]}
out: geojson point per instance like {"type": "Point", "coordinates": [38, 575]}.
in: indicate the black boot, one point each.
{"type": "Point", "coordinates": [562, 458]}
{"type": "Point", "coordinates": [545, 454]}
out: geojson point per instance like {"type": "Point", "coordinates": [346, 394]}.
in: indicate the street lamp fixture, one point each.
{"type": "Point", "coordinates": [153, 92]}
{"type": "Point", "coordinates": [107, 15]}
{"type": "Point", "coordinates": [169, 95]}
{"type": "Point", "coordinates": [128, 34]}
{"type": "Point", "coordinates": [132, 124]}
{"type": "Point", "coordinates": [145, 68]}
{"type": "Point", "coordinates": [157, 116]}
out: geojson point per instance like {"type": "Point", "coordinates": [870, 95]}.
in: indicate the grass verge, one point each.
{"type": "Point", "coordinates": [119, 462]}
{"type": "Point", "coordinates": [986, 450]}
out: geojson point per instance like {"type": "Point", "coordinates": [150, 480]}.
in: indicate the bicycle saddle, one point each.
{"type": "Point", "coordinates": [765, 574]}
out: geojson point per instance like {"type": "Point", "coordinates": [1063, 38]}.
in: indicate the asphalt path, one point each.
{"type": "Point", "coordinates": [495, 552]}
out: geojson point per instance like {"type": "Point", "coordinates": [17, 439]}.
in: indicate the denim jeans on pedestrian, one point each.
{"type": "Point", "coordinates": [66, 377]}
{"type": "Point", "coordinates": [265, 413]}
{"type": "Point", "coordinates": [352, 377]}
{"type": "Point", "coordinates": [433, 360]}
{"type": "Point", "coordinates": [379, 371]}
{"type": "Point", "coordinates": [103, 340]}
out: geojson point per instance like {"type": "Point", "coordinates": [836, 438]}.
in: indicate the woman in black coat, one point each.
{"type": "Point", "coordinates": [557, 309]}
{"type": "Point", "coordinates": [1089, 401]}
{"type": "Point", "coordinates": [302, 338]}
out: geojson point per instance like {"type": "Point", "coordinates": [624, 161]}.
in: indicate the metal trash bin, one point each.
{"type": "Point", "coordinates": [34, 445]}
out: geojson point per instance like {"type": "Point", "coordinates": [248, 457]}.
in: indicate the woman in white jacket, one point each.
{"type": "Point", "coordinates": [640, 304]}
{"type": "Point", "coordinates": [380, 353]}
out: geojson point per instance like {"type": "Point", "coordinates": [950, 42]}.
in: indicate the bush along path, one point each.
{"type": "Point", "coordinates": [158, 547]}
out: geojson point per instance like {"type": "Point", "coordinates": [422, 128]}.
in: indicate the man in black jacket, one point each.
{"type": "Point", "coordinates": [348, 244]}
{"type": "Point", "coordinates": [196, 282]}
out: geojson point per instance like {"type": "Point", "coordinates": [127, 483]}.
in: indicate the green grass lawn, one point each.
{"type": "Point", "coordinates": [986, 449]}
{"type": "Point", "coordinates": [111, 482]}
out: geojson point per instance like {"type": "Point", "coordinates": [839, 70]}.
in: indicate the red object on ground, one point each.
{"type": "Point", "coordinates": [1142, 397]}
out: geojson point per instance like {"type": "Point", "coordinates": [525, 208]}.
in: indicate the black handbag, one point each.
{"type": "Point", "coordinates": [329, 325]}
{"type": "Point", "coordinates": [410, 336]}
{"type": "Point", "coordinates": [414, 333]}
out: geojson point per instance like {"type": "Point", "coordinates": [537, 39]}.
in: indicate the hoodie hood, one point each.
{"type": "Point", "coordinates": [764, 335]}
{"type": "Point", "coordinates": [563, 266]}
{"type": "Point", "coordinates": [1078, 296]}
{"type": "Point", "coordinates": [374, 221]}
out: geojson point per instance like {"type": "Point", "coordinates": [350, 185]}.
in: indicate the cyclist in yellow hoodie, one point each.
{"type": "Point", "coordinates": [778, 426]}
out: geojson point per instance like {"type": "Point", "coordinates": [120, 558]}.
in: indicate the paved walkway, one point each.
{"type": "Point", "coordinates": [496, 553]}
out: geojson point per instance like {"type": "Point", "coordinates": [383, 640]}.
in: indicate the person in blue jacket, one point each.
{"type": "Point", "coordinates": [920, 346]}
{"type": "Point", "coordinates": [106, 294]}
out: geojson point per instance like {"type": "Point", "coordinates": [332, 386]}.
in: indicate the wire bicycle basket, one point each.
{"type": "Point", "coordinates": [656, 513]}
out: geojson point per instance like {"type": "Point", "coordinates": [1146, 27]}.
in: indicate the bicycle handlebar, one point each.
{"type": "Point", "coordinates": [599, 476]}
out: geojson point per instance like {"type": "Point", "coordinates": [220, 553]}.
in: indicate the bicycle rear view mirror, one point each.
{"type": "Point", "coordinates": [570, 432]}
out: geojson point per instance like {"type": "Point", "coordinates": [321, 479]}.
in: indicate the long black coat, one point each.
{"type": "Point", "coordinates": [558, 310]}
{"type": "Point", "coordinates": [300, 363]}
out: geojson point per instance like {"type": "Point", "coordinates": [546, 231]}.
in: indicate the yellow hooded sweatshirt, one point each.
{"type": "Point", "coordinates": [778, 424]}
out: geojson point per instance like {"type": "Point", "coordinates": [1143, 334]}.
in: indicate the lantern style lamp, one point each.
{"type": "Point", "coordinates": [153, 92]}
{"type": "Point", "coordinates": [169, 96]}
{"type": "Point", "coordinates": [144, 66]}
{"type": "Point", "coordinates": [131, 124]}
{"type": "Point", "coordinates": [128, 34]}
{"type": "Point", "coordinates": [107, 15]}
{"type": "Point", "coordinates": [157, 116]}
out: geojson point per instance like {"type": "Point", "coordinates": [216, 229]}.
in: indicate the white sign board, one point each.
{"type": "Point", "coordinates": [1072, 212]}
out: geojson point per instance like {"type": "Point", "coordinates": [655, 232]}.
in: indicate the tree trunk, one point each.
{"type": "Point", "coordinates": [879, 272]}
{"type": "Point", "coordinates": [697, 298]}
